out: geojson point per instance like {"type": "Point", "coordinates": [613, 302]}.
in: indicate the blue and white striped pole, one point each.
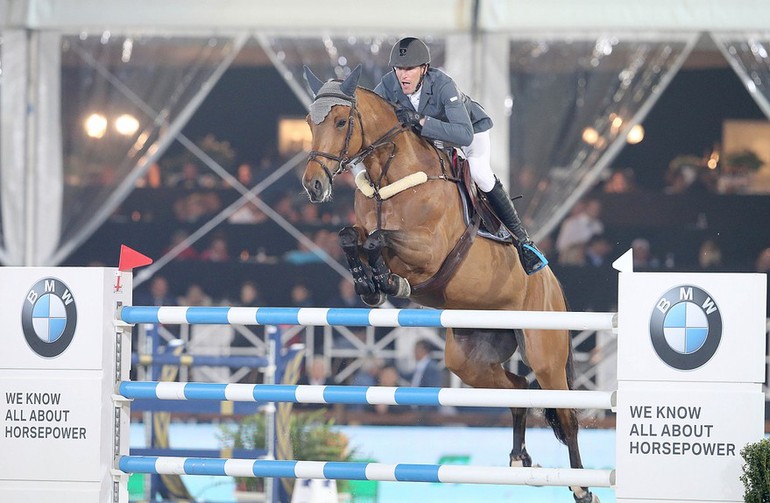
{"type": "Point", "coordinates": [196, 360]}
{"type": "Point", "coordinates": [362, 317]}
{"type": "Point", "coordinates": [453, 474]}
{"type": "Point", "coordinates": [373, 395]}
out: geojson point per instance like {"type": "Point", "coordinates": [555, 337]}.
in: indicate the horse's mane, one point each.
{"type": "Point", "coordinates": [371, 92]}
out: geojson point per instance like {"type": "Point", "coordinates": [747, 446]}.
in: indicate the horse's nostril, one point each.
{"type": "Point", "coordinates": [318, 188]}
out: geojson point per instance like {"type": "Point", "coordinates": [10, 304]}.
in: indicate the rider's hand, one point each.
{"type": "Point", "coordinates": [409, 117]}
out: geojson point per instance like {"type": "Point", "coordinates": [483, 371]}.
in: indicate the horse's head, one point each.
{"type": "Point", "coordinates": [332, 120]}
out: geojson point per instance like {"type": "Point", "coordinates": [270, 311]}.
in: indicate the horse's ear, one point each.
{"type": "Point", "coordinates": [313, 81]}
{"type": "Point", "coordinates": [348, 86]}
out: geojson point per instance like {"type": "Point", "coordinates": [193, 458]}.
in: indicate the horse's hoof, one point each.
{"type": "Point", "coordinates": [587, 497]}
{"type": "Point", "coordinates": [522, 460]}
{"type": "Point", "coordinates": [374, 299]}
{"type": "Point", "coordinates": [519, 463]}
{"type": "Point", "coordinates": [365, 286]}
{"type": "Point", "coordinates": [404, 289]}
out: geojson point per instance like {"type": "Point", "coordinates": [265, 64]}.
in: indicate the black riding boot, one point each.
{"type": "Point", "coordinates": [532, 259]}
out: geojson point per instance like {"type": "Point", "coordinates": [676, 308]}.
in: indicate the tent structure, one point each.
{"type": "Point", "coordinates": [564, 82]}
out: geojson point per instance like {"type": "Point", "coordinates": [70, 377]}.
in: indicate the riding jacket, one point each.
{"type": "Point", "coordinates": [450, 116]}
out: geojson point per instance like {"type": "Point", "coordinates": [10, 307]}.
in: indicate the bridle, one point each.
{"type": "Point", "coordinates": [343, 159]}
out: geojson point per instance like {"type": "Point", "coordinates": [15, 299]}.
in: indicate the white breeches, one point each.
{"type": "Point", "coordinates": [478, 154]}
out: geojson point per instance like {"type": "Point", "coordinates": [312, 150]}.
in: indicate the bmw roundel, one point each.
{"type": "Point", "coordinates": [686, 327]}
{"type": "Point", "coordinates": [49, 317]}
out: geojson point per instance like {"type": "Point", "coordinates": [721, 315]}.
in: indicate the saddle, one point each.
{"type": "Point", "coordinates": [475, 202]}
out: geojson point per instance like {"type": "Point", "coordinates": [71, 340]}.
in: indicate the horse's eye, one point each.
{"type": "Point", "coordinates": [341, 123]}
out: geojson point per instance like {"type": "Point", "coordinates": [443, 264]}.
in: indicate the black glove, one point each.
{"type": "Point", "coordinates": [409, 117]}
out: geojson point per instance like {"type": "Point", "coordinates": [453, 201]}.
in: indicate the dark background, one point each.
{"type": "Point", "coordinates": [245, 105]}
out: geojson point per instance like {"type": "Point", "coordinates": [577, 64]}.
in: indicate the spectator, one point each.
{"type": "Point", "coordinates": [710, 256]}
{"type": "Point", "coordinates": [212, 203]}
{"type": "Point", "coordinates": [329, 243]}
{"type": "Point", "coordinates": [195, 296]}
{"type": "Point", "coordinates": [317, 374]}
{"type": "Point", "coordinates": [250, 295]}
{"type": "Point", "coordinates": [209, 340]}
{"type": "Point", "coordinates": [598, 251]}
{"type": "Point", "coordinates": [301, 296]}
{"type": "Point", "coordinates": [310, 214]}
{"type": "Point", "coordinates": [762, 264]}
{"type": "Point", "coordinates": [246, 338]}
{"type": "Point", "coordinates": [248, 213]}
{"type": "Point", "coordinates": [426, 372]}
{"type": "Point", "coordinates": [186, 252]}
{"type": "Point", "coordinates": [303, 254]}
{"type": "Point", "coordinates": [346, 296]}
{"type": "Point", "coordinates": [576, 230]}
{"type": "Point", "coordinates": [245, 174]}
{"type": "Point", "coordinates": [190, 209]}
{"type": "Point", "coordinates": [389, 377]}
{"type": "Point", "coordinates": [619, 182]}
{"type": "Point", "coordinates": [643, 258]}
{"type": "Point", "coordinates": [189, 178]}
{"type": "Point", "coordinates": [217, 251]}
{"type": "Point", "coordinates": [151, 179]}
{"type": "Point", "coordinates": [285, 207]}
{"type": "Point", "coordinates": [158, 294]}
{"type": "Point", "coordinates": [367, 375]}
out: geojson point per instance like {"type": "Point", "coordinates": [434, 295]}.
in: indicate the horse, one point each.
{"type": "Point", "coordinates": [409, 221]}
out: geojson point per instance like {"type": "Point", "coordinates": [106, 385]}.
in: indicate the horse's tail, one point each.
{"type": "Point", "coordinates": [550, 414]}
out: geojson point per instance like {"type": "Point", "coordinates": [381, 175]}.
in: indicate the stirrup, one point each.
{"type": "Point", "coordinates": [532, 259]}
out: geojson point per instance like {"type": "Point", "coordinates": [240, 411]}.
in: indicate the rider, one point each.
{"type": "Point", "coordinates": [429, 101]}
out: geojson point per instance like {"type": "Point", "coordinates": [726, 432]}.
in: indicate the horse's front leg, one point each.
{"type": "Point", "coordinates": [385, 280]}
{"type": "Point", "coordinates": [350, 242]}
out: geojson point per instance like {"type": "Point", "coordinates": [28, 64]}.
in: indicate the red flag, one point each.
{"type": "Point", "coordinates": [129, 259]}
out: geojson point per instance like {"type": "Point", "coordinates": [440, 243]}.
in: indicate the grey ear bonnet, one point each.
{"type": "Point", "coordinates": [331, 93]}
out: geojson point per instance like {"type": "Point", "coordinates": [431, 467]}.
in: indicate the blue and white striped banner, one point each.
{"type": "Point", "coordinates": [363, 317]}
{"type": "Point", "coordinates": [457, 397]}
{"type": "Point", "coordinates": [403, 472]}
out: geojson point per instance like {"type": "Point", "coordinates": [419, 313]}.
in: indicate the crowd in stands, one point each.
{"type": "Point", "coordinates": [581, 250]}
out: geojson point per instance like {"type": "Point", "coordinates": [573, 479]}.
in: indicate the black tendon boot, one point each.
{"type": "Point", "coordinates": [532, 259]}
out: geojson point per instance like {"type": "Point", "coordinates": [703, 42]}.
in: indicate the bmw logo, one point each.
{"type": "Point", "coordinates": [686, 327]}
{"type": "Point", "coordinates": [48, 317]}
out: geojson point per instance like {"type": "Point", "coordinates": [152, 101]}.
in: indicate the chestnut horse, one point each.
{"type": "Point", "coordinates": [409, 219]}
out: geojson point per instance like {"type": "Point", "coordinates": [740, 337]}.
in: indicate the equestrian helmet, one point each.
{"type": "Point", "coordinates": [409, 52]}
